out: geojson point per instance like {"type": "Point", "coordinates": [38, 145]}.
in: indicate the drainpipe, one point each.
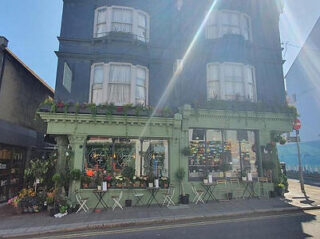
{"type": "Point", "coordinates": [3, 45]}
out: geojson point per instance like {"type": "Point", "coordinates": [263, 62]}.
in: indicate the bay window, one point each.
{"type": "Point", "coordinates": [119, 83]}
{"type": "Point", "coordinates": [231, 81]}
{"type": "Point", "coordinates": [121, 19]}
{"type": "Point", "coordinates": [225, 22]}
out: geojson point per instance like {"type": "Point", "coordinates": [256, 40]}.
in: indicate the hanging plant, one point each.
{"type": "Point", "coordinates": [186, 151]}
{"type": "Point", "coordinates": [138, 109]}
{"type": "Point", "coordinates": [110, 108]}
{"type": "Point", "coordinates": [93, 108]}
{"type": "Point", "coordinates": [127, 108]}
{"type": "Point", "coordinates": [77, 108]}
{"type": "Point", "coordinates": [282, 141]}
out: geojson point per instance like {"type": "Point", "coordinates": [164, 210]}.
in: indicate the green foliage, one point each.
{"type": "Point", "coordinates": [180, 174]}
{"type": "Point", "coordinates": [57, 179]}
{"type": "Point", "coordinates": [186, 151]}
{"type": "Point", "coordinates": [63, 209]}
{"type": "Point", "coordinates": [75, 174]}
{"type": "Point", "coordinates": [41, 169]}
{"type": "Point", "coordinates": [268, 164]}
{"type": "Point", "coordinates": [224, 167]}
{"type": "Point", "coordinates": [128, 172]}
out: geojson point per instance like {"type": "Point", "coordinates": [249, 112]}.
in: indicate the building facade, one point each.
{"type": "Point", "coordinates": [217, 62]}
{"type": "Point", "coordinates": [21, 92]}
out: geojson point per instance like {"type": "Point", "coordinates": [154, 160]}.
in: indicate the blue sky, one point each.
{"type": "Point", "coordinates": [32, 26]}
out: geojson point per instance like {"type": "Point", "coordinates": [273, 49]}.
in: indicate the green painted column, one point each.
{"type": "Point", "coordinates": [62, 143]}
{"type": "Point", "coordinates": [77, 143]}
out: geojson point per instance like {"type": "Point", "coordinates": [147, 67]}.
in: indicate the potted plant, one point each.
{"type": "Point", "coordinates": [280, 189]}
{"type": "Point", "coordinates": [180, 174]}
{"type": "Point", "coordinates": [85, 181]}
{"type": "Point", "coordinates": [164, 182]}
{"type": "Point", "coordinates": [186, 151]}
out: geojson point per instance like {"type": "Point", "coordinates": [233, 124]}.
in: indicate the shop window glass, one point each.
{"type": "Point", "coordinates": [221, 153]}
{"type": "Point", "coordinates": [111, 157]}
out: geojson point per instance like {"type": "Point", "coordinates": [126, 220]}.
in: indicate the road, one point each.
{"type": "Point", "coordinates": [293, 225]}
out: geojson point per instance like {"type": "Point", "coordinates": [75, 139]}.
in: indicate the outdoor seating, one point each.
{"type": "Point", "coordinates": [117, 200]}
{"type": "Point", "coordinates": [236, 191]}
{"type": "Point", "coordinates": [82, 203]}
{"type": "Point", "coordinates": [168, 196]}
{"type": "Point", "coordinates": [198, 195]}
{"type": "Point", "coordinates": [138, 196]}
{"type": "Point", "coordinates": [263, 180]}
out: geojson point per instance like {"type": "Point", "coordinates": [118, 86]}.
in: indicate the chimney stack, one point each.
{"type": "Point", "coordinates": [3, 42]}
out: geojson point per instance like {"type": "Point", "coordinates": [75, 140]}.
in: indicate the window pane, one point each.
{"type": "Point", "coordinates": [98, 74]}
{"type": "Point", "coordinates": [101, 18]}
{"type": "Point", "coordinates": [67, 77]}
{"type": "Point", "coordinates": [197, 161]}
{"type": "Point", "coordinates": [141, 76]}
{"type": "Point", "coordinates": [155, 161]}
{"type": "Point", "coordinates": [121, 20]}
{"type": "Point", "coordinates": [140, 93]}
{"type": "Point", "coordinates": [142, 20]}
{"type": "Point", "coordinates": [120, 74]}
{"type": "Point", "coordinates": [119, 94]}
{"type": "Point", "coordinates": [213, 89]}
{"type": "Point", "coordinates": [232, 151]}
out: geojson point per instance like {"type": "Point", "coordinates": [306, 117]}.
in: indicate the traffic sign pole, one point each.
{"type": "Point", "coordinates": [300, 164]}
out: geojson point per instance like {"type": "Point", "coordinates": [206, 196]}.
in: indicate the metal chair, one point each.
{"type": "Point", "coordinates": [198, 194]}
{"type": "Point", "coordinates": [82, 203]}
{"type": "Point", "coordinates": [116, 200]}
{"type": "Point", "coordinates": [235, 193]}
{"type": "Point", "coordinates": [168, 196]}
{"type": "Point", "coordinates": [138, 197]}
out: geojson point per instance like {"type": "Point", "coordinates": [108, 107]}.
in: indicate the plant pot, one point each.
{"type": "Point", "coordinates": [150, 185]}
{"type": "Point", "coordinates": [229, 196]}
{"type": "Point", "coordinates": [184, 199]}
{"type": "Point", "coordinates": [128, 203]}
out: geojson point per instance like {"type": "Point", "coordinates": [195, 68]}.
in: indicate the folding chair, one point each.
{"type": "Point", "coordinates": [116, 200]}
{"type": "Point", "coordinates": [82, 202]}
{"type": "Point", "coordinates": [138, 197]}
{"type": "Point", "coordinates": [222, 182]}
{"type": "Point", "coordinates": [236, 193]}
{"type": "Point", "coordinates": [168, 196]}
{"type": "Point", "coordinates": [261, 181]}
{"type": "Point", "coordinates": [198, 194]}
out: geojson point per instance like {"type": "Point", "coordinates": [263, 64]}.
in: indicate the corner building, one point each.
{"type": "Point", "coordinates": [226, 82]}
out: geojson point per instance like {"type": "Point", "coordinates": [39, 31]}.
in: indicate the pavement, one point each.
{"type": "Point", "coordinates": [28, 225]}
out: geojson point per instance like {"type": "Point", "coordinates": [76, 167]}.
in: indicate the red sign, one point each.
{"type": "Point", "coordinates": [297, 124]}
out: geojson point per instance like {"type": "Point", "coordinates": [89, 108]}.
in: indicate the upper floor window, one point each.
{"type": "Point", "coordinates": [226, 22]}
{"type": "Point", "coordinates": [231, 81]}
{"type": "Point", "coordinates": [119, 83]}
{"type": "Point", "coordinates": [122, 19]}
{"type": "Point", "coordinates": [67, 77]}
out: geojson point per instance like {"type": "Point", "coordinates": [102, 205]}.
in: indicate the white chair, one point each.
{"type": "Point", "coordinates": [198, 195]}
{"type": "Point", "coordinates": [168, 196]}
{"type": "Point", "coordinates": [117, 200]}
{"type": "Point", "coordinates": [82, 202]}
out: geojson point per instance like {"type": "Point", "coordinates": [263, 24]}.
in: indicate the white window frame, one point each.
{"type": "Point", "coordinates": [218, 22]}
{"type": "Point", "coordinates": [222, 80]}
{"type": "Point", "coordinates": [105, 86]}
{"type": "Point", "coordinates": [134, 23]}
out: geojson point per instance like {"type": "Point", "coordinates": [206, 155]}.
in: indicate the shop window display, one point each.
{"type": "Point", "coordinates": [12, 163]}
{"type": "Point", "coordinates": [125, 162]}
{"type": "Point", "coordinates": [217, 153]}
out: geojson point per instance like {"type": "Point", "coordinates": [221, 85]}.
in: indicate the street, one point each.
{"type": "Point", "coordinates": [293, 225]}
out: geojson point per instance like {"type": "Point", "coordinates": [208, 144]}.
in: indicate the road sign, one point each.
{"type": "Point", "coordinates": [297, 124]}
{"type": "Point", "coordinates": [293, 139]}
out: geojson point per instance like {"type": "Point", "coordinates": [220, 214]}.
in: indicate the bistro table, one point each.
{"type": "Point", "coordinates": [99, 195]}
{"type": "Point", "coordinates": [249, 187]}
{"type": "Point", "coordinates": [153, 193]}
{"type": "Point", "coordinates": [209, 188]}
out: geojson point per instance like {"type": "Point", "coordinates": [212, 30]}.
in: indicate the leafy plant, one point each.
{"type": "Point", "coordinates": [128, 172]}
{"type": "Point", "coordinates": [180, 174]}
{"type": "Point", "coordinates": [75, 174]}
{"type": "Point", "coordinates": [57, 179]}
{"type": "Point", "coordinates": [186, 151]}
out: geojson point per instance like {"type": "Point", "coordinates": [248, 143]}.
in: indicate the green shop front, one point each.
{"type": "Point", "coordinates": [128, 152]}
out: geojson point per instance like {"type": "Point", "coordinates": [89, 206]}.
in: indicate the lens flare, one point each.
{"type": "Point", "coordinates": [176, 74]}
